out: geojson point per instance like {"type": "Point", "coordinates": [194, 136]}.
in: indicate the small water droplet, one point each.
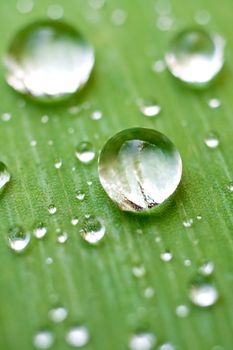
{"type": "Point", "coordinates": [96, 4]}
{"type": "Point", "coordinates": [6, 117]}
{"type": "Point", "coordinates": [187, 262]}
{"type": "Point", "coordinates": [24, 6]}
{"type": "Point", "coordinates": [166, 346]}
{"type": "Point", "coordinates": [58, 314]}
{"type": "Point", "coordinates": [202, 17]}
{"type": "Point", "coordinates": [149, 109]}
{"type": "Point", "coordinates": [196, 57]}
{"type": "Point", "coordinates": [214, 103]}
{"type": "Point", "coordinates": [93, 229]}
{"type": "Point", "coordinates": [159, 66]}
{"type": "Point", "coordinates": [212, 140]}
{"type": "Point", "coordinates": [85, 152]}
{"type": "Point", "coordinates": [188, 223]}
{"type": "Point", "coordinates": [203, 294]}
{"type": "Point", "coordinates": [62, 237]}
{"type": "Point", "coordinates": [74, 221]}
{"type": "Point", "coordinates": [199, 217]}
{"type": "Point", "coordinates": [58, 164]}
{"type": "Point", "coordinates": [166, 256]}
{"type": "Point", "coordinates": [40, 230]}
{"type": "Point", "coordinates": [50, 142]}
{"type": "Point", "coordinates": [142, 341]}
{"type": "Point", "coordinates": [18, 239]}
{"type": "Point", "coordinates": [149, 292]}
{"type": "Point", "coordinates": [139, 169]}
{"type": "Point", "coordinates": [139, 271]}
{"type": "Point", "coordinates": [165, 23]}
{"type": "Point", "coordinates": [49, 260]}
{"type": "Point", "coordinates": [43, 340]}
{"type": "Point", "coordinates": [207, 268]}
{"type": "Point", "coordinates": [96, 115]}
{"type": "Point", "coordinates": [182, 311]}
{"type": "Point", "coordinates": [119, 17]}
{"type": "Point", "coordinates": [33, 143]}
{"type": "Point", "coordinates": [230, 186]}
{"type": "Point", "coordinates": [163, 7]}
{"type": "Point", "coordinates": [49, 60]}
{"type": "Point", "coordinates": [44, 119]}
{"type": "Point", "coordinates": [55, 11]}
{"type": "Point", "coordinates": [80, 195]}
{"type": "Point", "coordinates": [78, 336]}
{"type": "Point", "coordinates": [52, 209]}
{"type": "Point", "coordinates": [4, 175]}
{"type": "Point", "coordinates": [90, 183]}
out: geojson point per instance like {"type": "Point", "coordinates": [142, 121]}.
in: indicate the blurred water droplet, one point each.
{"type": "Point", "coordinates": [188, 223]}
{"type": "Point", "coordinates": [55, 11]}
{"type": "Point", "coordinates": [166, 256]}
{"type": "Point", "coordinates": [52, 209]}
{"type": "Point", "coordinates": [74, 221]}
{"type": "Point", "coordinates": [182, 311]}
{"type": "Point", "coordinates": [159, 66]}
{"type": "Point", "coordinates": [58, 164]}
{"type": "Point", "coordinates": [33, 143]}
{"type": "Point", "coordinates": [96, 4]}
{"type": "Point", "coordinates": [165, 23]}
{"type": "Point", "coordinates": [163, 7]}
{"type": "Point", "coordinates": [207, 268]}
{"type": "Point", "coordinates": [44, 119]}
{"type": "Point", "coordinates": [187, 262]}
{"type": "Point", "coordinates": [6, 117]}
{"type": "Point", "coordinates": [212, 140]}
{"type": "Point", "coordinates": [142, 341]}
{"type": "Point", "coordinates": [139, 168]}
{"type": "Point", "coordinates": [78, 336]}
{"type": "Point", "coordinates": [18, 239]}
{"type": "Point", "coordinates": [96, 115]}
{"type": "Point", "coordinates": [24, 6]}
{"type": "Point", "coordinates": [202, 17]}
{"type": "Point", "coordinates": [195, 56]}
{"type": "Point", "coordinates": [149, 292]}
{"type": "Point", "coordinates": [4, 175]}
{"type": "Point", "coordinates": [40, 230]}
{"type": "Point", "coordinates": [58, 314]}
{"type": "Point", "coordinates": [43, 340]}
{"type": "Point", "coordinates": [80, 195]}
{"type": "Point", "coordinates": [90, 183]}
{"type": "Point", "coordinates": [119, 17]}
{"type": "Point", "coordinates": [203, 294]}
{"type": "Point", "coordinates": [49, 260]}
{"type": "Point", "coordinates": [166, 346]}
{"type": "Point", "coordinates": [62, 237]}
{"type": "Point", "coordinates": [149, 108]}
{"type": "Point", "coordinates": [92, 229]}
{"type": "Point", "coordinates": [214, 103]}
{"type": "Point", "coordinates": [230, 186]}
{"type": "Point", "coordinates": [49, 60]}
{"type": "Point", "coordinates": [199, 217]}
{"type": "Point", "coordinates": [138, 271]}
{"type": "Point", "coordinates": [85, 152]}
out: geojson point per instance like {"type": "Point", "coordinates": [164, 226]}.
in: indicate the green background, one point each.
{"type": "Point", "coordinates": [96, 285]}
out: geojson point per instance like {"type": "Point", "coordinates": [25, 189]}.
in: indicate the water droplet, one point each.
{"type": "Point", "coordinates": [49, 60]}
{"type": "Point", "coordinates": [6, 117]}
{"type": "Point", "coordinates": [149, 292]}
{"type": "Point", "coordinates": [40, 230]}
{"type": "Point", "coordinates": [214, 103]}
{"type": "Point", "coordinates": [96, 4]}
{"type": "Point", "coordinates": [90, 183]}
{"type": "Point", "coordinates": [167, 346]}
{"type": "Point", "coordinates": [80, 195]}
{"type": "Point", "coordinates": [85, 152]}
{"type": "Point", "coordinates": [119, 17]}
{"type": "Point", "coordinates": [96, 115]}
{"type": "Point", "coordinates": [52, 209]}
{"type": "Point", "coordinates": [139, 271]}
{"type": "Point", "coordinates": [33, 143]}
{"type": "Point", "coordinates": [49, 260]}
{"type": "Point", "coordinates": [93, 229]}
{"type": "Point", "coordinates": [163, 7]}
{"type": "Point", "coordinates": [149, 109]}
{"type": "Point", "coordinates": [142, 341]}
{"type": "Point", "coordinates": [44, 119]}
{"type": "Point", "coordinates": [199, 217]}
{"type": "Point", "coordinates": [165, 23]}
{"type": "Point", "coordinates": [74, 221]}
{"type": "Point", "coordinates": [159, 66]}
{"type": "Point", "coordinates": [58, 314]}
{"type": "Point", "coordinates": [182, 311]}
{"type": "Point", "coordinates": [139, 168]}
{"type": "Point", "coordinates": [188, 223]}
{"type": "Point", "coordinates": [4, 175]}
{"type": "Point", "coordinates": [212, 140]}
{"type": "Point", "coordinates": [18, 239]}
{"type": "Point", "coordinates": [43, 340]}
{"type": "Point", "coordinates": [202, 17]}
{"type": "Point", "coordinates": [24, 6]}
{"type": "Point", "coordinates": [166, 256]}
{"type": "Point", "coordinates": [207, 268]}
{"type": "Point", "coordinates": [196, 57]}
{"type": "Point", "coordinates": [230, 186]}
{"type": "Point", "coordinates": [203, 294]}
{"type": "Point", "coordinates": [58, 164]}
{"type": "Point", "coordinates": [187, 262]}
{"type": "Point", "coordinates": [62, 237]}
{"type": "Point", "coordinates": [78, 336]}
{"type": "Point", "coordinates": [55, 11]}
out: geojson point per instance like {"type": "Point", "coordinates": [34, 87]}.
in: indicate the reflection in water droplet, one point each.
{"type": "Point", "coordinates": [18, 239]}
{"type": "Point", "coordinates": [78, 336]}
{"type": "Point", "coordinates": [55, 11]}
{"type": "Point", "coordinates": [52, 209]}
{"type": "Point", "coordinates": [80, 195]}
{"type": "Point", "coordinates": [58, 314]}
{"type": "Point", "coordinates": [166, 256]}
{"type": "Point", "coordinates": [62, 237]}
{"type": "Point", "coordinates": [24, 6]}
{"type": "Point", "coordinates": [212, 140]}
{"type": "Point", "coordinates": [214, 103]}
{"type": "Point", "coordinates": [182, 311]}
{"type": "Point", "coordinates": [142, 341]}
{"type": "Point", "coordinates": [92, 229]}
{"type": "Point", "coordinates": [43, 340]}
{"type": "Point", "coordinates": [4, 175]}
{"type": "Point", "coordinates": [49, 60]}
{"type": "Point", "coordinates": [139, 168]}
{"type": "Point", "coordinates": [195, 57]}
{"type": "Point", "coordinates": [85, 152]}
{"type": "Point", "coordinates": [207, 268]}
{"type": "Point", "coordinates": [203, 294]}
{"type": "Point", "coordinates": [138, 271]}
{"type": "Point", "coordinates": [40, 230]}
{"type": "Point", "coordinates": [188, 222]}
{"type": "Point", "coordinates": [149, 109]}
{"type": "Point", "coordinates": [58, 164]}
{"type": "Point", "coordinates": [166, 346]}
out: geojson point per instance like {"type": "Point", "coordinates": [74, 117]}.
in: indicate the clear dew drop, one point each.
{"type": "Point", "coordinates": [18, 239]}
{"type": "Point", "coordinates": [78, 336]}
{"type": "Point", "coordinates": [149, 108]}
{"type": "Point", "coordinates": [92, 229]}
{"type": "Point", "coordinates": [196, 57]}
{"type": "Point", "coordinates": [166, 256]}
{"type": "Point", "coordinates": [43, 340]}
{"type": "Point", "coordinates": [139, 169]}
{"type": "Point", "coordinates": [58, 314]}
{"type": "Point", "coordinates": [214, 103]}
{"type": "Point", "coordinates": [207, 268]}
{"type": "Point", "coordinates": [49, 60]}
{"type": "Point", "coordinates": [203, 294]}
{"type": "Point", "coordinates": [52, 209]}
{"type": "Point", "coordinates": [4, 175]}
{"type": "Point", "coordinates": [212, 140]}
{"type": "Point", "coordinates": [188, 223]}
{"type": "Point", "coordinates": [230, 186]}
{"type": "Point", "coordinates": [40, 231]}
{"type": "Point", "coordinates": [85, 152]}
{"type": "Point", "coordinates": [167, 346]}
{"type": "Point", "coordinates": [182, 311]}
{"type": "Point", "coordinates": [142, 341]}
{"type": "Point", "coordinates": [80, 195]}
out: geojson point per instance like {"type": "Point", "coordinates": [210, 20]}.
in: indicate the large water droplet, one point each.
{"type": "Point", "coordinates": [4, 175]}
{"type": "Point", "coordinates": [93, 229]}
{"type": "Point", "coordinates": [49, 60]}
{"type": "Point", "coordinates": [85, 152]}
{"type": "Point", "coordinates": [142, 341]}
{"type": "Point", "coordinates": [18, 239]}
{"type": "Point", "coordinates": [195, 56]}
{"type": "Point", "coordinates": [78, 336]}
{"type": "Point", "coordinates": [43, 340]}
{"type": "Point", "coordinates": [139, 169]}
{"type": "Point", "coordinates": [203, 294]}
